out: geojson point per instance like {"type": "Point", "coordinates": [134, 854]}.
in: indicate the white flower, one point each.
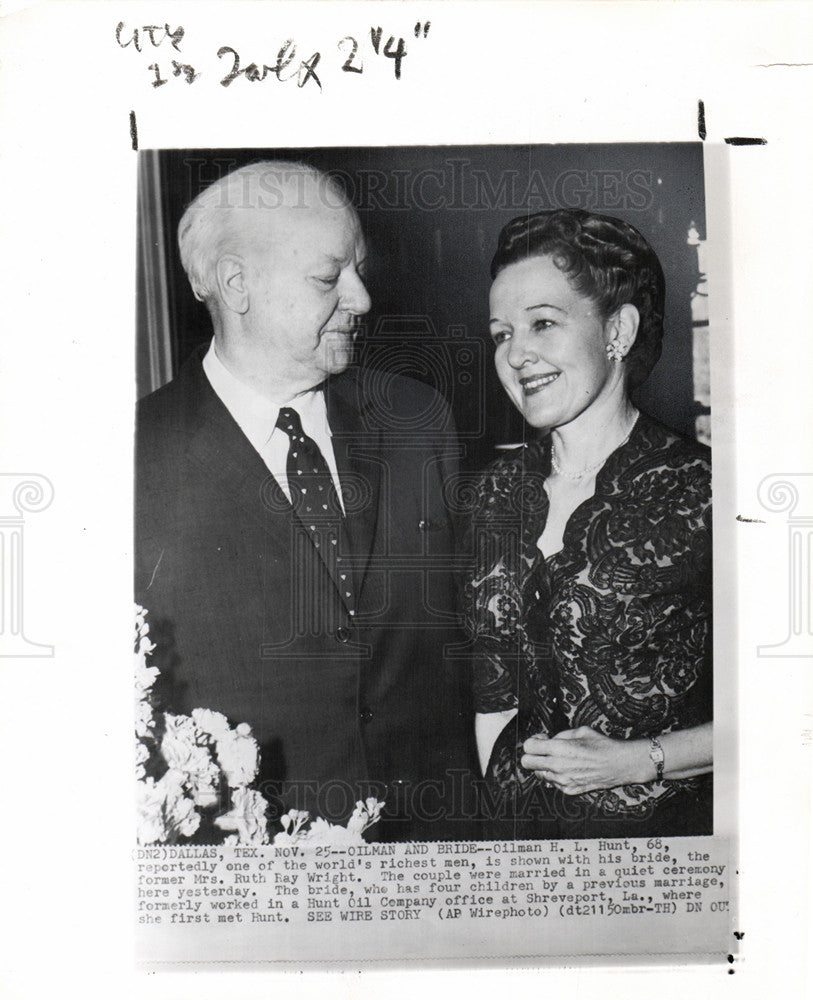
{"type": "Point", "coordinates": [142, 643]}
{"type": "Point", "coordinates": [294, 820]}
{"type": "Point", "coordinates": [365, 815]}
{"type": "Point", "coordinates": [292, 823]}
{"type": "Point", "coordinates": [331, 833]}
{"type": "Point", "coordinates": [150, 812]}
{"type": "Point", "coordinates": [144, 677]}
{"type": "Point", "coordinates": [321, 832]}
{"type": "Point", "coordinates": [181, 816]}
{"type": "Point", "coordinates": [184, 748]}
{"type": "Point", "coordinates": [199, 751]}
{"type": "Point", "coordinates": [212, 723]}
{"type": "Point", "coordinates": [246, 817]}
{"type": "Point", "coordinates": [164, 812]}
{"type": "Point", "coordinates": [141, 626]}
{"type": "Point", "coordinates": [142, 755]}
{"type": "Point", "coordinates": [144, 721]}
{"type": "Point", "coordinates": [205, 788]}
{"type": "Point", "coordinates": [238, 755]}
{"type": "Point", "coordinates": [180, 747]}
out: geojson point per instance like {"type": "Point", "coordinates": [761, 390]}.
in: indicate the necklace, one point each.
{"type": "Point", "coordinates": [576, 476]}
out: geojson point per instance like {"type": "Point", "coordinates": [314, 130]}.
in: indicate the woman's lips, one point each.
{"type": "Point", "coordinates": [535, 383]}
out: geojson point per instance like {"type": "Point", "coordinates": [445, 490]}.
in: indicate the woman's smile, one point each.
{"type": "Point", "coordinates": [536, 383]}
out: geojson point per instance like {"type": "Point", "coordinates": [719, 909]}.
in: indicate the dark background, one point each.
{"type": "Point", "coordinates": [431, 216]}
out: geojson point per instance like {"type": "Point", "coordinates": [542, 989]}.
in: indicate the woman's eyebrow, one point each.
{"type": "Point", "coordinates": [544, 305]}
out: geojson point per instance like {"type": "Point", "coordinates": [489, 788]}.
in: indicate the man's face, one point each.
{"type": "Point", "coordinates": [305, 291]}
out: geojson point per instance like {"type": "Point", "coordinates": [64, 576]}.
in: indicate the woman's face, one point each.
{"type": "Point", "coordinates": [550, 344]}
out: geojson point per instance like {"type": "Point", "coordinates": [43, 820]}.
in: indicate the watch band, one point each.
{"type": "Point", "coordinates": [656, 756]}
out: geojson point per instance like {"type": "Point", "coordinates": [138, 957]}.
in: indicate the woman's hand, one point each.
{"type": "Point", "coordinates": [583, 760]}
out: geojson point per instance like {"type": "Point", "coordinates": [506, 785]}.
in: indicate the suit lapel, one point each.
{"type": "Point", "coordinates": [235, 469]}
{"type": "Point", "coordinates": [357, 447]}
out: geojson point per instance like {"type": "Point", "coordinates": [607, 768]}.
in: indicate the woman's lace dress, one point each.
{"type": "Point", "coordinates": [612, 632]}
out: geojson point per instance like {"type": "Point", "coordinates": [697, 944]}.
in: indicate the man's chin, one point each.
{"type": "Point", "coordinates": [339, 367]}
{"type": "Point", "coordinates": [339, 353]}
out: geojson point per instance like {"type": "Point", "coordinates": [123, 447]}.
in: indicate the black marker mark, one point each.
{"type": "Point", "coordinates": [749, 520]}
{"type": "Point", "coordinates": [739, 935]}
{"type": "Point", "coordinates": [133, 131]}
{"type": "Point", "coordinates": [425, 27]}
{"type": "Point", "coordinates": [743, 140]}
{"type": "Point", "coordinates": [285, 57]}
{"type": "Point", "coordinates": [190, 75]}
{"type": "Point", "coordinates": [349, 65]}
{"type": "Point", "coordinates": [398, 54]}
{"type": "Point", "coordinates": [159, 81]}
{"type": "Point", "coordinates": [175, 37]}
{"type": "Point", "coordinates": [132, 40]}
{"type": "Point", "coordinates": [701, 120]}
{"type": "Point", "coordinates": [307, 71]}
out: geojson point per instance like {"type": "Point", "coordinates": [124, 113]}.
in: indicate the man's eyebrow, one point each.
{"type": "Point", "coordinates": [343, 261]}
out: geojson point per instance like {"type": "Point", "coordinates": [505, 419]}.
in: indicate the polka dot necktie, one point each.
{"type": "Point", "coordinates": [316, 502]}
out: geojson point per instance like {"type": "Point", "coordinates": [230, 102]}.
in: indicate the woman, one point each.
{"type": "Point", "coordinates": [591, 602]}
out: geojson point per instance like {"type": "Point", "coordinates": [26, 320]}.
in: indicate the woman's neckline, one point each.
{"type": "Point", "coordinates": [546, 445]}
{"type": "Point", "coordinates": [590, 471]}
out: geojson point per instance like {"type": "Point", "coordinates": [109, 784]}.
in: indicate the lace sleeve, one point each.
{"type": "Point", "coordinates": [493, 596]}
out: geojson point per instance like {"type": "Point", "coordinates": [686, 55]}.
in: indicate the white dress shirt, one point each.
{"type": "Point", "coordinates": [256, 416]}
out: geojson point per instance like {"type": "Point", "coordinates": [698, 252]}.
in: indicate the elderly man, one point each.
{"type": "Point", "coordinates": [293, 547]}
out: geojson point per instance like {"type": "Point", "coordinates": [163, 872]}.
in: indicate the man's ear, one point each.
{"type": "Point", "coordinates": [231, 283]}
{"type": "Point", "coordinates": [623, 327]}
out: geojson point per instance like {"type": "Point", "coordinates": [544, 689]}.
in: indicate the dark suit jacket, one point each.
{"type": "Point", "coordinates": [249, 621]}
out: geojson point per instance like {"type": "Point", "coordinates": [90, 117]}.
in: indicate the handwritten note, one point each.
{"type": "Point", "coordinates": [285, 62]}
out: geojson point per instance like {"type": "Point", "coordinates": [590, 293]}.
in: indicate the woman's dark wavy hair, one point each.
{"type": "Point", "coordinates": [604, 258]}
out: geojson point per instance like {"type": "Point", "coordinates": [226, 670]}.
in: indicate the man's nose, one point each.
{"type": "Point", "coordinates": [520, 351]}
{"type": "Point", "coordinates": [354, 296]}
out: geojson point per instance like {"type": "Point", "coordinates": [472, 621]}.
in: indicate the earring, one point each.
{"type": "Point", "coordinates": [615, 352]}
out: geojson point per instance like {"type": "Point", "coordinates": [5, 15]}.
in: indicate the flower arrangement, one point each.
{"type": "Point", "coordinates": [298, 828]}
{"type": "Point", "coordinates": [184, 763]}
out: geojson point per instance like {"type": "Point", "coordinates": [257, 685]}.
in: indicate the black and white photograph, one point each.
{"type": "Point", "coordinates": [423, 534]}
{"type": "Point", "coordinates": [497, 565]}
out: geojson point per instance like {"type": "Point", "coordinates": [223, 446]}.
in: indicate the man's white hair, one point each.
{"type": "Point", "coordinates": [218, 220]}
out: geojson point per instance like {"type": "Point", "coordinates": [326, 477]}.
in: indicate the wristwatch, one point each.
{"type": "Point", "coordinates": [656, 756]}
